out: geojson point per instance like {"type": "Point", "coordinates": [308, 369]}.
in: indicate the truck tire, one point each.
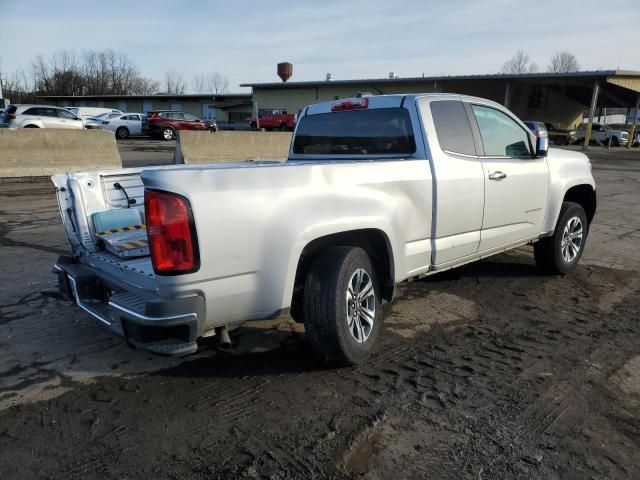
{"type": "Point", "coordinates": [561, 252]}
{"type": "Point", "coordinates": [342, 309]}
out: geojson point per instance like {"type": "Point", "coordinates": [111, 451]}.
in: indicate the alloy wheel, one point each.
{"type": "Point", "coordinates": [361, 305]}
{"type": "Point", "coordinates": [572, 238]}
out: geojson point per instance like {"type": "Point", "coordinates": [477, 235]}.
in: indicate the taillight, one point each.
{"type": "Point", "coordinates": [350, 104]}
{"type": "Point", "coordinates": [10, 117]}
{"type": "Point", "coordinates": [171, 233]}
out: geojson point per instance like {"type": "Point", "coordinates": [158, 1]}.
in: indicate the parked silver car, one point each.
{"type": "Point", "coordinates": [40, 116]}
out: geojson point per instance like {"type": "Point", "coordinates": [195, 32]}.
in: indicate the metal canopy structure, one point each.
{"type": "Point", "coordinates": [619, 88]}
{"type": "Point", "coordinates": [545, 96]}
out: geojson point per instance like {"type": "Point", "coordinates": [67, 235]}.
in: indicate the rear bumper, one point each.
{"type": "Point", "coordinates": [160, 325]}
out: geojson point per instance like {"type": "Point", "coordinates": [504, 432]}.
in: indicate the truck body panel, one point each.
{"type": "Point", "coordinates": [436, 201]}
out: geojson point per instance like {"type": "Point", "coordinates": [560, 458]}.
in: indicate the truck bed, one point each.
{"type": "Point", "coordinates": [134, 271]}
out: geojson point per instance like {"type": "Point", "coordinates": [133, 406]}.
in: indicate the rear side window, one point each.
{"type": "Point", "coordinates": [33, 111]}
{"type": "Point", "coordinates": [453, 127]}
{"type": "Point", "coordinates": [380, 131]}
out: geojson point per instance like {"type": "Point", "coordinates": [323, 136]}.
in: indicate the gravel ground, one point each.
{"type": "Point", "coordinates": [490, 371]}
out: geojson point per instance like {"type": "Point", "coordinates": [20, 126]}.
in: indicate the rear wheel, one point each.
{"type": "Point", "coordinates": [284, 127]}
{"type": "Point", "coordinates": [341, 306]}
{"type": "Point", "coordinates": [168, 133]}
{"type": "Point", "coordinates": [31, 126]}
{"type": "Point", "coordinates": [122, 132]}
{"type": "Point", "coordinates": [561, 252]}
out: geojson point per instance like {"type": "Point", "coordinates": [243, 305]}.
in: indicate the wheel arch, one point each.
{"type": "Point", "coordinates": [374, 241]}
{"type": "Point", "coordinates": [585, 196]}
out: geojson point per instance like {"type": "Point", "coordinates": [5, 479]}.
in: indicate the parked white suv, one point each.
{"type": "Point", "coordinates": [40, 116]}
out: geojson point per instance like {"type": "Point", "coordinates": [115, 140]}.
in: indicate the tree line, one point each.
{"type": "Point", "coordinates": [561, 62]}
{"type": "Point", "coordinates": [106, 72]}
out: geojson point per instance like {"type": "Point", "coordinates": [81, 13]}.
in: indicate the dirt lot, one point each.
{"type": "Point", "coordinates": [491, 371]}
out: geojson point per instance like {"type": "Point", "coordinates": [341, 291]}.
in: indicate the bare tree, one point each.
{"type": "Point", "coordinates": [92, 72]}
{"type": "Point", "coordinates": [213, 83]}
{"type": "Point", "coordinates": [16, 86]}
{"type": "Point", "coordinates": [563, 62]}
{"type": "Point", "coordinates": [174, 82]}
{"type": "Point", "coordinates": [519, 63]}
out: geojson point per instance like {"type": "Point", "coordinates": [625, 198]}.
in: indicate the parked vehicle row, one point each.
{"type": "Point", "coordinates": [166, 124]}
{"type": "Point", "coordinates": [163, 124]}
{"type": "Point", "coordinates": [601, 132]}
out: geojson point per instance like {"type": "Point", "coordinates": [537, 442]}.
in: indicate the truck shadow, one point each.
{"type": "Point", "coordinates": [278, 347]}
{"type": "Point", "coordinates": [286, 355]}
{"type": "Point", "coordinates": [498, 267]}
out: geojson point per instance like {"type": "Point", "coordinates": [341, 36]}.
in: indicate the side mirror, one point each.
{"type": "Point", "coordinates": [542, 146]}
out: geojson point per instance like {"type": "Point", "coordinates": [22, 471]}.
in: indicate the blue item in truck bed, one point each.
{"type": "Point", "coordinates": [113, 219]}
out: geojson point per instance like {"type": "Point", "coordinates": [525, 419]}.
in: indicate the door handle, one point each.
{"type": "Point", "coordinates": [497, 176]}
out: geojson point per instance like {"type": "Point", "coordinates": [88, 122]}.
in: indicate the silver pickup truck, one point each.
{"type": "Point", "coordinates": [376, 190]}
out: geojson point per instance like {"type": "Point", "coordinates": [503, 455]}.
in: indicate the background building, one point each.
{"type": "Point", "coordinates": [552, 97]}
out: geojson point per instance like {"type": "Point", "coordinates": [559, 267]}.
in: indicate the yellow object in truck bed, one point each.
{"type": "Point", "coordinates": [130, 241]}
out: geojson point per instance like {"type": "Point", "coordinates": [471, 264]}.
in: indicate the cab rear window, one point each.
{"type": "Point", "coordinates": [379, 131]}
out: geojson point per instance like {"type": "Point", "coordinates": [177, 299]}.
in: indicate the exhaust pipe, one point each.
{"type": "Point", "coordinates": [224, 341]}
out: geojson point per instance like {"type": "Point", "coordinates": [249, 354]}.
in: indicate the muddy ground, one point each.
{"type": "Point", "coordinates": [491, 371]}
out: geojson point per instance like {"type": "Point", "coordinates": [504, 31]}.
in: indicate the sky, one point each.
{"type": "Point", "coordinates": [244, 40]}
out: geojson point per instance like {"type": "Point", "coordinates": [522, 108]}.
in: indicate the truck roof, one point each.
{"type": "Point", "coordinates": [392, 100]}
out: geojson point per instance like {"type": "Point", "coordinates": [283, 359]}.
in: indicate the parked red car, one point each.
{"type": "Point", "coordinates": [274, 120]}
{"type": "Point", "coordinates": [166, 123]}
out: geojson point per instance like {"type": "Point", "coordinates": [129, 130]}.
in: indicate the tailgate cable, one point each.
{"type": "Point", "coordinates": [131, 201]}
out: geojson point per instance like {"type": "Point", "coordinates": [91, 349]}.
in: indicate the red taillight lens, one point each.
{"type": "Point", "coordinates": [171, 233]}
{"type": "Point", "coordinates": [350, 104]}
{"type": "Point", "coordinates": [10, 117]}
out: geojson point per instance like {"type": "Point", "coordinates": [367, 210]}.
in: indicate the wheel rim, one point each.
{"type": "Point", "coordinates": [572, 238]}
{"type": "Point", "coordinates": [168, 134]}
{"type": "Point", "coordinates": [361, 305]}
{"type": "Point", "coordinates": [122, 133]}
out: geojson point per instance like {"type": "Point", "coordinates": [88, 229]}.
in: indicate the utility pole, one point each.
{"type": "Point", "coordinates": [592, 112]}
